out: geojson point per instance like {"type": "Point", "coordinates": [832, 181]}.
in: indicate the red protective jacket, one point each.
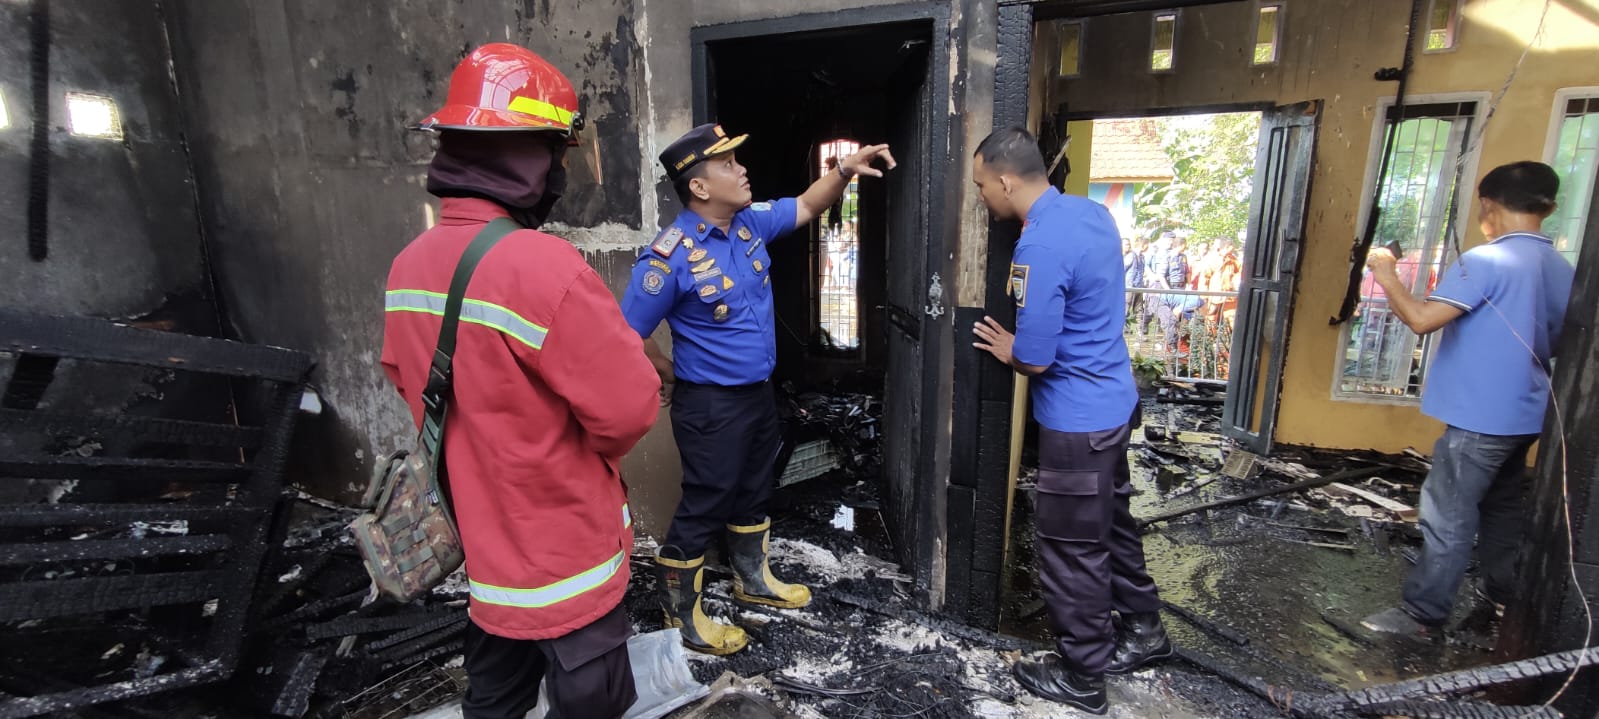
{"type": "Point", "coordinates": [551, 389]}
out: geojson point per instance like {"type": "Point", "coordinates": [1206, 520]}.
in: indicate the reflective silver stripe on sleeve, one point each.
{"type": "Point", "coordinates": [476, 312]}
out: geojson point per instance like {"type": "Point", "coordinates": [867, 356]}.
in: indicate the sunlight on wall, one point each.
{"type": "Point", "coordinates": [1572, 24]}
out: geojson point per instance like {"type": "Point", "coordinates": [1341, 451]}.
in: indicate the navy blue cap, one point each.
{"type": "Point", "coordinates": [694, 147]}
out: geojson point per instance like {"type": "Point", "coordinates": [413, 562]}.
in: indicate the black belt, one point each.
{"type": "Point", "coordinates": [733, 387]}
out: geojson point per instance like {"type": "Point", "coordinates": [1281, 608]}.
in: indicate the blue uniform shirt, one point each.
{"type": "Point", "coordinates": [1066, 278]}
{"type": "Point", "coordinates": [715, 292]}
{"type": "Point", "coordinates": [1488, 368]}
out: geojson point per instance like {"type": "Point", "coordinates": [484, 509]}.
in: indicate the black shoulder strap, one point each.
{"type": "Point", "coordinates": [436, 397]}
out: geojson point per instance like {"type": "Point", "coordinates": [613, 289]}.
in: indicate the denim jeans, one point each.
{"type": "Point", "coordinates": [1476, 485]}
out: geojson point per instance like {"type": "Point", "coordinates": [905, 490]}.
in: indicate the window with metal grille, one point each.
{"type": "Point", "coordinates": [1573, 150]}
{"type": "Point", "coordinates": [837, 251]}
{"type": "Point", "coordinates": [1379, 358]}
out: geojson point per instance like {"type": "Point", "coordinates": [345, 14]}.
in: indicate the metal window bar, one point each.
{"type": "Point", "coordinates": [837, 258]}
{"type": "Point", "coordinates": [1576, 159]}
{"type": "Point", "coordinates": [1381, 356]}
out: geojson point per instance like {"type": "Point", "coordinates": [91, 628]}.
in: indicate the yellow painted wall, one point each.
{"type": "Point", "coordinates": [1082, 148]}
{"type": "Point", "coordinates": [1330, 51]}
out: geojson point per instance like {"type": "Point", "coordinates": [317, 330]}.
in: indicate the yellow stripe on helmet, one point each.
{"type": "Point", "coordinates": [541, 109]}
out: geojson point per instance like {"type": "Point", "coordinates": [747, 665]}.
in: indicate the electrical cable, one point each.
{"type": "Point", "coordinates": [1474, 145]}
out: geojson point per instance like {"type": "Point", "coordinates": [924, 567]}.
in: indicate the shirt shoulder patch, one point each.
{"type": "Point", "coordinates": [667, 242]}
{"type": "Point", "coordinates": [761, 206]}
{"type": "Point", "coordinates": [1018, 283]}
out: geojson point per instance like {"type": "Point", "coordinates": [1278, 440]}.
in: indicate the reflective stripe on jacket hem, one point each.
{"type": "Point", "coordinates": [549, 594]}
{"type": "Point", "coordinates": [476, 312]}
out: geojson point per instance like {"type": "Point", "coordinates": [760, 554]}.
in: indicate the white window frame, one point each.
{"type": "Point", "coordinates": [1557, 117]}
{"type": "Point", "coordinates": [1459, 17]}
{"type": "Point", "coordinates": [1467, 188]}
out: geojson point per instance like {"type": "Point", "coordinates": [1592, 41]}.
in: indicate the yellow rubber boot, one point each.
{"type": "Point", "coordinates": [752, 577]}
{"type": "Point", "coordinates": [681, 582]}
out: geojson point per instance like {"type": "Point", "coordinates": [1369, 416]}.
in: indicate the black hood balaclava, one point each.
{"type": "Point", "coordinates": [520, 171]}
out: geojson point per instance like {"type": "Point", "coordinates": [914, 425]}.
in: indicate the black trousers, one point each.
{"type": "Point", "coordinates": [727, 438]}
{"type": "Point", "coordinates": [586, 672]}
{"type": "Point", "coordinates": [1090, 556]}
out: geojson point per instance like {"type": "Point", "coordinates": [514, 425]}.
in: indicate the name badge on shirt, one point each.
{"type": "Point", "coordinates": [1018, 284]}
{"type": "Point", "coordinates": [711, 273]}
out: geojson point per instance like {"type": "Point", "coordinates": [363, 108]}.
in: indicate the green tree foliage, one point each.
{"type": "Point", "coordinates": [1213, 160]}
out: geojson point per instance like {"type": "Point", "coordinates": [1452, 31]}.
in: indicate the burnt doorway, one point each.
{"type": "Point", "coordinates": [851, 298]}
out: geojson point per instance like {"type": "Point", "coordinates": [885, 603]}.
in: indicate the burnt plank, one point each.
{"type": "Point", "coordinates": [57, 702]}
{"type": "Point", "coordinates": [63, 597]}
{"type": "Point", "coordinates": [105, 341]}
{"type": "Point", "coordinates": [176, 470]}
{"type": "Point", "coordinates": [150, 429]}
{"type": "Point", "coordinates": [95, 549]}
{"type": "Point", "coordinates": [105, 515]}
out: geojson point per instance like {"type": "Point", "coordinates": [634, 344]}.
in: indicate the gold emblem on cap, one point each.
{"type": "Point", "coordinates": [721, 313]}
{"type": "Point", "coordinates": [707, 290]}
{"type": "Point", "coordinates": [700, 227]}
{"type": "Point", "coordinates": [744, 234]}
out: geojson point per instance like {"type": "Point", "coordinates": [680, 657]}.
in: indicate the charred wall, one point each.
{"type": "Point", "coordinates": [310, 182]}
{"type": "Point", "coordinates": [119, 237]}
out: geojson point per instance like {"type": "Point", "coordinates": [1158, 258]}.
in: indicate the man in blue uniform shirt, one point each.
{"type": "Point", "coordinates": [1068, 284]}
{"type": "Point", "coordinates": [709, 276]}
{"type": "Point", "coordinates": [1500, 308]}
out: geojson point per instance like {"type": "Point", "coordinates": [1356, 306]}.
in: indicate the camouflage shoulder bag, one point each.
{"type": "Point", "coordinates": [407, 536]}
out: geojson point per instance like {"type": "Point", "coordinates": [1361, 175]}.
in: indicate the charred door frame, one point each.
{"type": "Point", "coordinates": [979, 472]}
{"type": "Point", "coordinates": [924, 556]}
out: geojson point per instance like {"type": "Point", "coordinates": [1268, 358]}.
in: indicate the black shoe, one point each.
{"type": "Point", "coordinates": [1051, 680]}
{"type": "Point", "coordinates": [1140, 641]}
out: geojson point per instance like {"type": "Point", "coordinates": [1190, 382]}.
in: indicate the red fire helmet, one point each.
{"type": "Point", "coordinates": [501, 86]}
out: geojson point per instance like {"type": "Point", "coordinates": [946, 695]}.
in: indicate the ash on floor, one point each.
{"type": "Point", "coordinates": [859, 650]}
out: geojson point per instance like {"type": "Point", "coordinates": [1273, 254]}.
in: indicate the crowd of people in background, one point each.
{"type": "Point", "coordinates": [1189, 323]}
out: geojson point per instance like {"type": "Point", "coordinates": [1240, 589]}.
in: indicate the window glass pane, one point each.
{"type": "Point", "coordinates": [836, 255]}
{"type": "Point", "coordinates": [1266, 34]}
{"type": "Point", "coordinates": [5, 119]}
{"type": "Point", "coordinates": [1071, 49]}
{"type": "Point", "coordinates": [1576, 159]}
{"type": "Point", "coordinates": [1162, 52]}
{"type": "Point", "coordinates": [1442, 19]}
{"type": "Point", "coordinates": [1380, 356]}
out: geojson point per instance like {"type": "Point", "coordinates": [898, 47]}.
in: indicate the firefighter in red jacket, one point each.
{"type": "Point", "coordinates": [551, 389]}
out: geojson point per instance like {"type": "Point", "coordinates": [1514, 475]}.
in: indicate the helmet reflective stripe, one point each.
{"type": "Point", "coordinates": [550, 594]}
{"type": "Point", "coordinates": [541, 110]}
{"type": "Point", "coordinates": [476, 312]}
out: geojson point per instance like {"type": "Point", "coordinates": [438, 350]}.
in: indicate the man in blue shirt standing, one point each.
{"type": "Point", "coordinates": [709, 276]}
{"type": "Point", "coordinates": [1069, 287]}
{"type": "Point", "coordinates": [1500, 308]}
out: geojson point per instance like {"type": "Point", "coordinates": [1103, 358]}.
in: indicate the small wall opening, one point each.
{"type": "Point", "coordinates": [93, 116]}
